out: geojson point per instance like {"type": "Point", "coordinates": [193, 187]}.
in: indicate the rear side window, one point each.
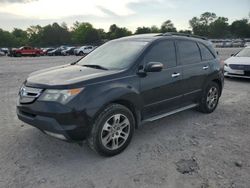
{"type": "Point", "coordinates": [163, 52]}
{"type": "Point", "coordinates": [205, 53]}
{"type": "Point", "coordinates": [189, 52]}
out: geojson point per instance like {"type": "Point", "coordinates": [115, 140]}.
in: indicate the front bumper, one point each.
{"type": "Point", "coordinates": [228, 72]}
{"type": "Point", "coordinates": [55, 120]}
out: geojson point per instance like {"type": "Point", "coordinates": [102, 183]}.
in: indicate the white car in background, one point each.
{"type": "Point", "coordinates": [247, 44]}
{"type": "Point", "coordinates": [84, 50]}
{"type": "Point", "coordinates": [239, 64]}
{"type": "Point", "coordinates": [2, 53]}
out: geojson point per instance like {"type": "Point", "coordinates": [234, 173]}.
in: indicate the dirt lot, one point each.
{"type": "Point", "coordinates": [188, 149]}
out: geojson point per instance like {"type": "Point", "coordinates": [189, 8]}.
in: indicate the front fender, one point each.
{"type": "Point", "coordinates": [97, 97]}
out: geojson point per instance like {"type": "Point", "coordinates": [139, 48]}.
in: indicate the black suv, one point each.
{"type": "Point", "coordinates": [107, 94]}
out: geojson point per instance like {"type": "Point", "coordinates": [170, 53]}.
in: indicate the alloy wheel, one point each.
{"type": "Point", "coordinates": [115, 131]}
{"type": "Point", "coordinates": [212, 98]}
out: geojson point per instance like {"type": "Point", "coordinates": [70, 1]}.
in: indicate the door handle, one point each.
{"type": "Point", "coordinates": [205, 67]}
{"type": "Point", "coordinates": [175, 75]}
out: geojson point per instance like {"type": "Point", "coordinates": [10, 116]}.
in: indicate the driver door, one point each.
{"type": "Point", "coordinates": [161, 91]}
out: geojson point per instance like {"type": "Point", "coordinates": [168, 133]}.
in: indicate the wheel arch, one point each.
{"type": "Point", "coordinates": [135, 111]}
{"type": "Point", "coordinates": [129, 100]}
{"type": "Point", "coordinates": [217, 81]}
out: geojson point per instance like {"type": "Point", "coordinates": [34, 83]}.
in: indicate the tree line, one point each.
{"type": "Point", "coordinates": [207, 25]}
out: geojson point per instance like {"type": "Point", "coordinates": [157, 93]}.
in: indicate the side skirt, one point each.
{"type": "Point", "coordinates": [170, 113]}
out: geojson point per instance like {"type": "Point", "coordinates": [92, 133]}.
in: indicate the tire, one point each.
{"type": "Point", "coordinates": [81, 54]}
{"type": "Point", "coordinates": [18, 55]}
{"type": "Point", "coordinates": [108, 137]}
{"type": "Point", "coordinates": [210, 98]}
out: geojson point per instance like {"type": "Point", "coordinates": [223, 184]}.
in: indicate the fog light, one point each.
{"type": "Point", "coordinates": [59, 136]}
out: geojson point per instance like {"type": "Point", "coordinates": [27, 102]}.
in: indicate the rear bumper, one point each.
{"type": "Point", "coordinates": [55, 120]}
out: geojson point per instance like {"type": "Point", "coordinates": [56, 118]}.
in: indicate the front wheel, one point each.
{"type": "Point", "coordinates": [112, 130]}
{"type": "Point", "coordinates": [210, 98]}
{"type": "Point", "coordinates": [81, 54]}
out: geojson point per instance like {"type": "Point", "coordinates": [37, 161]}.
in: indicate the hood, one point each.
{"type": "Point", "coordinates": [238, 60]}
{"type": "Point", "coordinates": [67, 75]}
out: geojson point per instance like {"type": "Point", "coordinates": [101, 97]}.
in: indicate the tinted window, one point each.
{"type": "Point", "coordinates": [205, 53]}
{"type": "Point", "coordinates": [189, 52]}
{"type": "Point", "coordinates": [163, 52]}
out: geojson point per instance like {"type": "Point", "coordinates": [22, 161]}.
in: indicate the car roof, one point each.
{"type": "Point", "coordinates": [155, 36]}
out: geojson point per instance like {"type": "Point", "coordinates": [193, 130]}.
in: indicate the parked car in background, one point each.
{"type": "Point", "coordinates": [121, 85]}
{"type": "Point", "coordinates": [26, 51]}
{"type": "Point", "coordinates": [46, 50]}
{"type": "Point", "coordinates": [239, 64]}
{"type": "Point", "coordinates": [247, 44]}
{"type": "Point", "coordinates": [5, 50]}
{"type": "Point", "coordinates": [55, 52]}
{"type": "Point", "coordinates": [2, 53]}
{"type": "Point", "coordinates": [238, 43]}
{"type": "Point", "coordinates": [68, 51]}
{"type": "Point", "coordinates": [84, 50]}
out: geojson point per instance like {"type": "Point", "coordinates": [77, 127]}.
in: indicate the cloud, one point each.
{"type": "Point", "coordinates": [57, 9]}
{"type": "Point", "coordinates": [126, 13]}
{"type": "Point", "coordinates": [16, 1]}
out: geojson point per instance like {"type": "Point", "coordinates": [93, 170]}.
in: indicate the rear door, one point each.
{"type": "Point", "coordinates": [30, 51]}
{"type": "Point", "coordinates": [161, 91]}
{"type": "Point", "coordinates": [194, 69]}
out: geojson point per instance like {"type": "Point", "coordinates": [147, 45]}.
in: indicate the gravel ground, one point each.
{"type": "Point", "coordinates": [188, 149]}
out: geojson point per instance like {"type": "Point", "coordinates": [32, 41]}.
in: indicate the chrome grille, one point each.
{"type": "Point", "coordinates": [29, 94]}
{"type": "Point", "coordinates": [240, 67]}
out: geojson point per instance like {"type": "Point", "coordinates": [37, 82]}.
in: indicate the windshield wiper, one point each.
{"type": "Point", "coordinates": [96, 67]}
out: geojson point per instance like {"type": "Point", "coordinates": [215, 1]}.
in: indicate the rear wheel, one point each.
{"type": "Point", "coordinates": [18, 55]}
{"type": "Point", "coordinates": [112, 130]}
{"type": "Point", "coordinates": [81, 53]}
{"type": "Point", "coordinates": [210, 98]}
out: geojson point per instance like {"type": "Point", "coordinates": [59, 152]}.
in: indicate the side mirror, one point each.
{"type": "Point", "coordinates": [153, 67]}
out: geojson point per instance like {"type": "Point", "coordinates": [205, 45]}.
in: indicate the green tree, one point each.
{"type": "Point", "coordinates": [92, 37]}
{"type": "Point", "coordinates": [52, 35]}
{"type": "Point", "coordinates": [240, 28]}
{"type": "Point", "coordinates": [21, 37]}
{"type": "Point", "coordinates": [117, 32]}
{"type": "Point", "coordinates": [219, 28]}
{"type": "Point", "coordinates": [155, 29]}
{"type": "Point", "coordinates": [185, 31]}
{"type": "Point", "coordinates": [200, 26]}
{"type": "Point", "coordinates": [142, 30]}
{"type": "Point", "coordinates": [102, 34]}
{"type": "Point", "coordinates": [34, 34]}
{"type": "Point", "coordinates": [7, 39]}
{"type": "Point", "coordinates": [207, 18]}
{"type": "Point", "coordinates": [84, 33]}
{"type": "Point", "coordinates": [168, 26]}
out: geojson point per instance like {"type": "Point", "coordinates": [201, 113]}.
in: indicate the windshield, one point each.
{"type": "Point", "coordinates": [244, 53]}
{"type": "Point", "coordinates": [115, 54]}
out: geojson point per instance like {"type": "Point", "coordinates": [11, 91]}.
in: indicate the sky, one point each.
{"type": "Point", "coordinates": [124, 13]}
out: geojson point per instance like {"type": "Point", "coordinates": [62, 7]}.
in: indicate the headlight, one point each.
{"type": "Point", "coordinates": [61, 96]}
{"type": "Point", "coordinates": [226, 65]}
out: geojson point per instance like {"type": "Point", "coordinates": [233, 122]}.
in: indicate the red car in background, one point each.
{"type": "Point", "coordinates": [26, 51]}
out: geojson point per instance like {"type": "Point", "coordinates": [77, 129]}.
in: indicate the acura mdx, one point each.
{"type": "Point", "coordinates": [122, 84]}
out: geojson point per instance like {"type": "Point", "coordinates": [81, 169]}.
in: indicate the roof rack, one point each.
{"type": "Point", "coordinates": [183, 34]}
